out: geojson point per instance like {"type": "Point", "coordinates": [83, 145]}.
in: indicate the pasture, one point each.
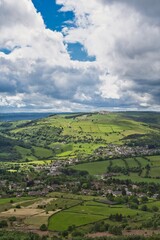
{"type": "Point", "coordinates": [60, 211]}
{"type": "Point", "coordinates": [102, 167]}
{"type": "Point", "coordinates": [62, 136]}
{"type": "Point", "coordinates": [90, 212]}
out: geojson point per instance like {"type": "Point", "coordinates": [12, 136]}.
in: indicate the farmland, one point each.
{"type": "Point", "coordinates": [82, 172]}
{"type": "Point", "coordinates": [60, 212]}
{"type": "Point", "coordinates": [66, 136]}
{"type": "Point", "coordinates": [127, 165]}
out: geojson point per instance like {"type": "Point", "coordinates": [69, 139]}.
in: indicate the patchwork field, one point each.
{"type": "Point", "coordinates": [26, 146]}
{"type": "Point", "coordinates": [118, 166]}
{"type": "Point", "coordinates": [61, 211]}
{"type": "Point", "coordinates": [72, 135]}
{"type": "Point", "coordinates": [90, 212]}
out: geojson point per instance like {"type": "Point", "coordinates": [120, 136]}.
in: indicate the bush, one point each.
{"type": "Point", "coordinates": [116, 230]}
{"type": "Point", "coordinates": [12, 219]}
{"type": "Point", "coordinates": [133, 205]}
{"type": "Point", "coordinates": [65, 233]}
{"type": "Point", "coordinates": [144, 208]}
{"type": "Point", "coordinates": [155, 209]}
{"type": "Point", "coordinates": [3, 224]}
{"type": "Point", "coordinates": [77, 234]}
{"type": "Point", "coordinates": [43, 227]}
{"type": "Point", "coordinates": [18, 206]}
{"type": "Point", "coordinates": [71, 228]}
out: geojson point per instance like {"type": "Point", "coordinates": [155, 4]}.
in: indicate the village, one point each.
{"type": "Point", "coordinates": [60, 177]}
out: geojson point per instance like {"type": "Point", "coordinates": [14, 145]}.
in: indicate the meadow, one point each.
{"type": "Point", "coordinates": [26, 144]}
{"type": "Point", "coordinates": [99, 168]}
{"type": "Point", "coordinates": [90, 212]}
{"type": "Point", "coordinates": [64, 136]}
{"type": "Point", "coordinates": [60, 211]}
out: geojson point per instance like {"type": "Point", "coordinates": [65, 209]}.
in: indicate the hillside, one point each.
{"type": "Point", "coordinates": [81, 175]}
{"type": "Point", "coordinates": [75, 135]}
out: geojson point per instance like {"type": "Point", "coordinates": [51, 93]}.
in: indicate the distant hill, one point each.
{"type": "Point", "coordinates": [62, 136]}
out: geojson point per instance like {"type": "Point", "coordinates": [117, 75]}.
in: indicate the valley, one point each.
{"type": "Point", "coordinates": [81, 174]}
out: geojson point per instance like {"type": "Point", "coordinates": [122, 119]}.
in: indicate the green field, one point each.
{"type": "Point", "coordinates": [71, 135]}
{"type": "Point", "coordinates": [63, 210]}
{"type": "Point", "coordinates": [93, 168]}
{"type": "Point", "coordinates": [98, 143]}
{"type": "Point", "coordinates": [91, 212]}
{"type": "Point", "coordinates": [15, 200]}
{"type": "Point", "coordinates": [7, 203]}
{"type": "Point", "coordinates": [101, 167]}
{"type": "Point", "coordinates": [63, 220]}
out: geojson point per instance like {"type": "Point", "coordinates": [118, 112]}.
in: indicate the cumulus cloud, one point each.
{"type": "Point", "coordinates": [147, 7]}
{"type": "Point", "coordinates": [124, 37]}
{"type": "Point", "coordinates": [37, 72]}
{"type": "Point", "coordinates": [38, 63]}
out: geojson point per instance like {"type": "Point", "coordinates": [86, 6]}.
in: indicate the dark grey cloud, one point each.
{"type": "Point", "coordinates": [151, 87]}
{"type": "Point", "coordinates": [55, 82]}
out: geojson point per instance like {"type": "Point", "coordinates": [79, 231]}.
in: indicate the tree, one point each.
{"type": "Point", "coordinates": [43, 227]}
{"type": "Point", "coordinates": [3, 224]}
{"type": "Point", "coordinates": [65, 233]}
{"type": "Point", "coordinates": [144, 208]}
{"type": "Point", "coordinates": [116, 230]}
{"type": "Point", "coordinates": [12, 219]}
{"type": "Point", "coordinates": [155, 209]}
{"type": "Point", "coordinates": [144, 199]}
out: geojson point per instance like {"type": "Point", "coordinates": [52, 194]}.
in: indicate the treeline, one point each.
{"type": "Point", "coordinates": [8, 235]}
{"type": "Point", "coordinates": [7, 148]}
{"type": "Point", "coordinates": [151, 140]}
{"type": "Point", "coordinates": [39, 136]}
{"type": "Point", "coordinates": [78, 115]}
{"type": "Point", "coordinates": [154, 237]}
{"type": "Point", "coordinates": [126, 170]}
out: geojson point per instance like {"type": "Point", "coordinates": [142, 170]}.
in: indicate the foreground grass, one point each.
{"type": "Point", "coordinates": [91, 212]}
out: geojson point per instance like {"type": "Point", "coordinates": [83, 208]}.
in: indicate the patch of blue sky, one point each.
{"type": "Point", "coordinates": [54, 19]}
{"type": "Point", "coordinates": [77, 52]}
{"type": "Point", "coordinates": [5, 50]}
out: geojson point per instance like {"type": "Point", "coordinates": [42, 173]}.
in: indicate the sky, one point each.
{"type": "Point", "coordinates": [69, 55]}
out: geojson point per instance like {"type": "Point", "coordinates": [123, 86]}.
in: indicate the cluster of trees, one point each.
{"type": "Point", "coordinates": [7, 148]}
{"type": "Point", "coordinates": [154, 237]}
{"type": "Point", "coordinates": [8, 235]}
{"type": "Point", "coordinates": [153, 222]}
{"type": "Point", "coordinates": [3, 224]}
{"type": "Point", "coordinates": [127, 170]}
{"type": "Point", "coordinates": [103, 227]}
{"type": "Point", "coordinates": [38, 136]}
{"type": "Point", "coordinates": [151, 140]}
{"type": "Point", "coordinates": [116, 217]}
{"type": "Point", "coordinates": [100, 227]}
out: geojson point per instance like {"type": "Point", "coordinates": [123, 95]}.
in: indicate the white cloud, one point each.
{"type": "Point", "coordinates": [125, 41]}
{"type": "Point", "coordinates": [39, 64]}
{"type": "Point", "coordinates": [38, 73]}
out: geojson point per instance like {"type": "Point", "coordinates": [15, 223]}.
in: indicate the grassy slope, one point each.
{"type": "Point", "coordinates": [91, 212]}
{"type": "Point", "coordinates": [99, 168]}
{"type": "Point", "coordinates": [71, 135]}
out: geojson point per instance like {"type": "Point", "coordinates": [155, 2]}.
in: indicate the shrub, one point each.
{"type": "Point", "coordinates": [116, 230]}
{"type": "Point", "coordinates": [12, 219]}
{"type": "Point", "coordinates": [144, 208]}
{"type": "Point", "coordinates": [43, 227]}
{"type": "Point", "coordinates": [3, 224]}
